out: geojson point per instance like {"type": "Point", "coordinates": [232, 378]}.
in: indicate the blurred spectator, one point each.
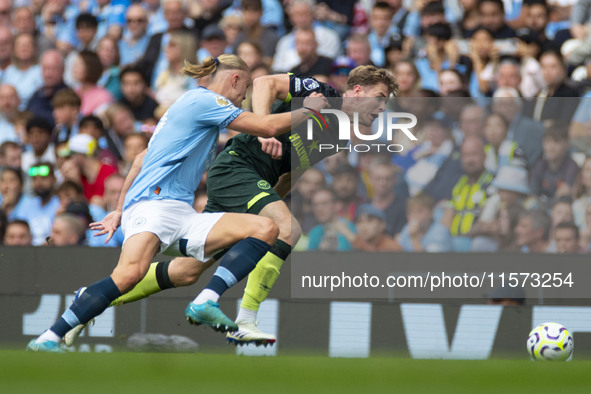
{"type": "Point", "coordinates": [554, 73]}
{"type": "Point", "coordinates": [450, 81]}
{"type": "Point", "coordinates": [395, 53]}
{"type": "Point", "coordinates": [213, 42]}
{"type": "Point", "coordinates": [113, 188]}
{"type": "Point", "coordinates": [12, 199]}
{"type": "Point", "coordinates": [328, 234]}
{"type": "Point", "coordinates": [265, 36]}
{"type": "Point", "coordinates": [154, 59]}
{"type": "Point", "coordinates": [471, 123]}
{"type": "Point", "coordinates": [23, 21]}
{"type": "Point", "coordinates": [380, 33]}
{"type": "Point", "coordinates": [529, 48]}
{"type": "Point", "coordinates": [134, 144]}
{"type": "Point", "coordinates": [6, 43]}
{"type": "Point", "coordinates": [156, 21]}
{"type": "Point", "coordinates": [135, 38]}
{"type": "Point", "coordinates": [470, 18]}
{"type": "Point", "coordinates": [336, 15]}
{"type": "Point", "coordinates": [567, 238]}
{"type": "Point", "coordinates": [24, 69]}
{"type": "Point", "coordinates": [171, 83]}
{"type": "Point", "coordinates": [533, 231]}
{"type": "Point", "coordinates": [66, 114]}
{"type": "Point", "coordinates": [429, 156]}
{"type": "Point", "coordinates": [554, 174]}
{"type": "Point", "coordinates": [422, 233]}
{"type": "Point", "coordinates": [18, 233]}
{"type": "Point", "coordinates": [67, 230]}
{"type": "Point", "coordinates": [492, 17]}
{"type": "Point", "coordinates": [85, 168]}
{"type": "Point", "coordinates": [312, 64]}
{"type": "Point", "coordinates": [523, 130]}
{"type": "Point", "coordinates": [339, 74]}
{"type": "Point", "coordinates": [501, 151]}
{"type": "Point", "coordinates": [231, 25]}
{"type": "Point", "coordinates": [208, 13]}
{"type": "Point", "coordinates": [358, 49]}
{"type": "Point", "coordinates": [441, 53]}
{"type": "Point", "coordinates": [108, 52]}
{"type": "Point", "coordinates": [134, 87]}
{"type": "Point", "coordinates": [537, 16]}
{"type": "Point", "coordinates": [561, 212]}
{"type": "Point", "coordinates": [39, 136]}
{"type": "Point", "coordinates": [301, 198]}
{"type": "Point", "coordinates": [9, 103]}
{"type": "Point", "coordinates": [10, 155]}
{"type": "Point", "coordinates": [382, 179]}
{"type": "Point", "coordinates": [251, 53]}
{"type": "Point", "coordinates": [41, 209]}
{"type": "Point", "coordinates": [120, 125]}
{"type": "Point", "coordinates": [508, 75]}
{"type": "Point", "coordinates": [87, 70]}
{"type": "Point", "coordinates": [484, 56]}
{"type": "Point", "coordinates": [469, 195]}
{"type": "Point", "coordinates": [52, 70]}
{"type": "Point", "coordinates": [86, 27]}
{"type": "Point", "coordinates": [301, 16]}
{"type": "Point", "coordinates": [495, 227]}
{"type": "Point", "coordinates": [345, 184]}
{"type": "Point", "coordinates": [370, 224]}
{"type": "Point", "coordinates": [408, 78]}
{"type": "Point", "coordinates": [109, 147]}
{"type": "Point", "coordinates": [582, 192]}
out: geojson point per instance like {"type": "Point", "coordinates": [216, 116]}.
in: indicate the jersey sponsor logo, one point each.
{"type": "Point", "coordinates": [300, 149]}
{"type": "Point", "coordinates": [222, 101]}
{"type": "Point", "coordinates": [310, 84]}
{"type": "Point", "coordinates": [298, 85]}
{"type": "Point", "coordinates": [139, 222]}
{"type": "Point", "coordinates": [263, 185]}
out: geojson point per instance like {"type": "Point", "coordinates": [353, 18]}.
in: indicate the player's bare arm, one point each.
{"type": "Point", "coordinates": [111, 222]}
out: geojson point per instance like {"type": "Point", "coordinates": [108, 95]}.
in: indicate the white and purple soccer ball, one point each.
{"type": "Point", "coordinates": [550, 342]}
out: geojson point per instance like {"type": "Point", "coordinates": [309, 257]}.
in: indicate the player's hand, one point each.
{"type": "Point", "coordinates": [272, 147]}
{"type": "Point", "coordinates": [107, 226]}
{"type": "Point", "coordinates": [316, 101]}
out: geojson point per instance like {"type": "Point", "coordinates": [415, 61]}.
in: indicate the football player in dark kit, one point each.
{"type": "Point", "coordinates": [252, 175]}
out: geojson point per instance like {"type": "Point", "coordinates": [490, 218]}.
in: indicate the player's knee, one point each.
{"type": "Point", "coordinates": [126, 279]}
{"type": "Point", "coordinates": [265, 229]}
{"type": "Point", "coordinates": [185, 272]}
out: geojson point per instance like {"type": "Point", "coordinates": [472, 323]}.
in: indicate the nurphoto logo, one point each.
{"type": "Point", "coordinates": [387, 124]}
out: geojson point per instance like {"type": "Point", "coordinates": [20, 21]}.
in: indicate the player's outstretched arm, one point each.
{"type": "Point", "coordinates": [112, 221]}
{"type": "Point", "coordinates": [276, 124]}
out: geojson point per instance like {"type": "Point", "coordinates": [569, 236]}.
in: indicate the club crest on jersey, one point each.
{"type": "Point", "coordinates": [310, 84]}
{"type": "Point", "coordinates": [222, 101]}
{"type": "Point", "coordinates": [263, 185]}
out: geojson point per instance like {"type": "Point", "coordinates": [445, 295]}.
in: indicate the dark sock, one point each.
{"type": "Point", "coordinates": [237, 264]}
{"type": "Point", "coordinates": [91, 303]}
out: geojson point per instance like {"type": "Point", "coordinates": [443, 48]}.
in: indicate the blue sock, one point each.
{"type": "Point", "coordinates": [91, 303]}
{"type": "Point", "coordinates": [237, 264]}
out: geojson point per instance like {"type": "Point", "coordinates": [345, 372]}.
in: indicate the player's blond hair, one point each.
{"type": "Point", "coordinates": [212, 65]}
{"type": "Point", "coordinates": [371, 75]}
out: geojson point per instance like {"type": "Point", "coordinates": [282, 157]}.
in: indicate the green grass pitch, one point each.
{"type": "Point", "coordinates": [82, 373]}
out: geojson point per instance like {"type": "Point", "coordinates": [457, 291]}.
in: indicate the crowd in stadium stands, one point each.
{"type": "Point", "coordinates": [503, 161]}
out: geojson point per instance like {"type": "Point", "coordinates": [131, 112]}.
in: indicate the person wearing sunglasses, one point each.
{"type": "Point", "coordinates": [41, 209]}
{"type": "Point", "coordinates": [135, 38]}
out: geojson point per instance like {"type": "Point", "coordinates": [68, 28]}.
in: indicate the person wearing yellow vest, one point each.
{"type": "Point", "coordinates": [469, 195]}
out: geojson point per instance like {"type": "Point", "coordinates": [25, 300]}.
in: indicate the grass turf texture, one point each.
{"type": "Point", "coordinates": [22, 372]}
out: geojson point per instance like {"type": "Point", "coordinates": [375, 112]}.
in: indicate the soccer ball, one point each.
{"type": "Point", "coordinates": [550, 341]}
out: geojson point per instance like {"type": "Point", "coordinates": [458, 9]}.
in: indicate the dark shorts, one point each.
{"type": "Point", "coordinates": [233, 186]}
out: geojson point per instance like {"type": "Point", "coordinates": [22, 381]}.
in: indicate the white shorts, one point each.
{"type": "Point", "coordinates": [179, 227]}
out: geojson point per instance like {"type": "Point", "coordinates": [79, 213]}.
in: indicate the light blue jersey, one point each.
{"type": "Point", "coordinates": [182, 147]}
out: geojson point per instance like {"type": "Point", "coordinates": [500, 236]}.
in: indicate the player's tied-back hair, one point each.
{"type": "Point", "coordinates": [372, 75]}
{"type": "Point", "coordinates": [212, 65]}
